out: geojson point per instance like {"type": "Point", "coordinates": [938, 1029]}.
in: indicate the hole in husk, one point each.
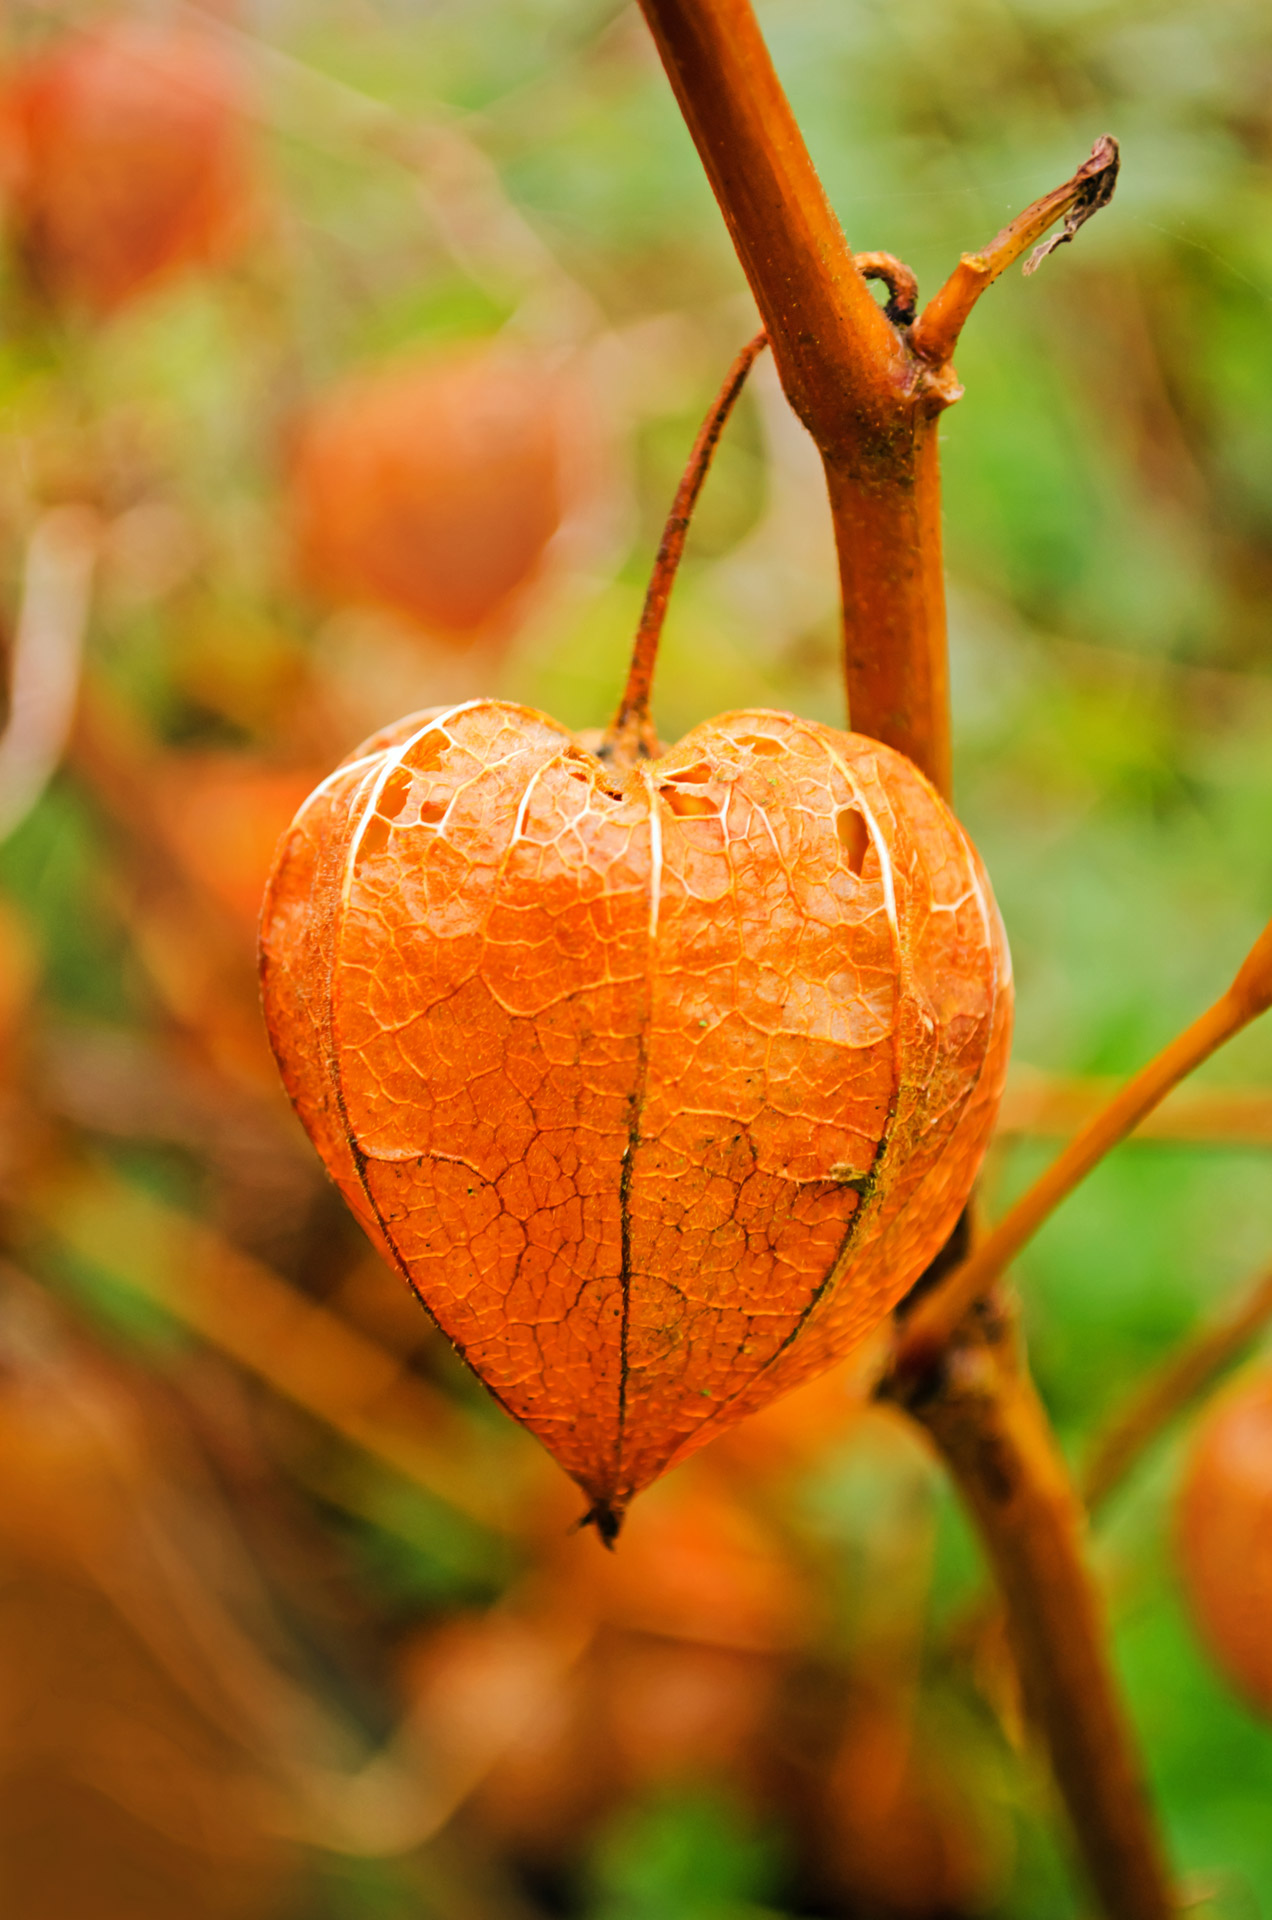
{"type": "Point", "coordinates": [854, 837]}
{"type": "Point", "coordinates": [687, 805]}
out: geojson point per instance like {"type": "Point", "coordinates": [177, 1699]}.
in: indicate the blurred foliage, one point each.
{"type": "Point", "coordinates": [290, 1622]}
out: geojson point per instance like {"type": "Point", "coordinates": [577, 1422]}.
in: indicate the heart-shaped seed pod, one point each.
{"type": "Point", "coordinates": [129, 159]}
{"type": "Point", "coordinates": [1225, 1535]}
{"type": "Point", "coordinates": [660, 1078]}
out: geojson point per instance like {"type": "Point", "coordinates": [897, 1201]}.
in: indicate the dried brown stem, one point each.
{"type": "Point", "coordinates": [632, 736]}
{"type": "Point", "coordinates": [1181, 1379]}
{"type": "Point", "coordinates": [987, 1422]}
{"type": "Point", "coordinates": [903, 287]}
{"type": "Point", "coordinates": [936, 334]}
{"type": "Point", "coordinates": [935, 1319]}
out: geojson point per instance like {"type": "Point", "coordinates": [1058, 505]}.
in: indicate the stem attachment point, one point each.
{"type": "Point", "coordinates": [631, 736]}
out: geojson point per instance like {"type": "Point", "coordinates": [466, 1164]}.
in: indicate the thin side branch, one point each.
{"type": "Point", "coordinates": [935, 1318]}
{"type": "Point", "coordinates": [1168, 1392]}
{"type": "Point", "coordinates": [936, 334]}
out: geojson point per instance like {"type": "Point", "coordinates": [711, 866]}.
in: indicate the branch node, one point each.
{"type": "Point", "coordinates": [900, 280]}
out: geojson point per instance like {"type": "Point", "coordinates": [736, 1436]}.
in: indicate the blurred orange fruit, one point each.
{"type": "Point", "coordinates": [433, 489]}
{"type": "Point", "coordinates": [896, 1833]}
{"type": "Point", "coordinates": [697, 1566]}
{"type": "Point", "coordinates": [224, 814]}
{"type": "Point", "coordinates": [793, 1433]}
{"type": "Point", "coordinates": [128, 160]}
{"type": "Point", "coordinates": [663, 1663]}
{"type": "Point", "coordinates": [1225, 1535]}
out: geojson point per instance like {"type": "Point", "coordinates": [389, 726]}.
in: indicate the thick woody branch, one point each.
{"type": "Point", "coordinates": [891, 574]}
{"type": "Point", "coordinates": [845, 367]}
{"type": "Point", "coordinates": [985, 1418]}
{"type": "Point", "coordinates": [842, 364]}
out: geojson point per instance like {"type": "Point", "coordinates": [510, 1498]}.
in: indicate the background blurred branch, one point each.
{"type": "Point", "coordinates": [937, 1315]}
{"type": "Point", "coordinates": [1045, 1105]}
{"type": "Point", "coordinates": [297, 1347]}
{"type": "Point", "coordinates": [44, 665]}
{"type": "Point", "coordinates": [1167, 1392]}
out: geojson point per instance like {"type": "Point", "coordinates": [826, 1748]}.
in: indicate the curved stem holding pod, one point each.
{"type": "Point", "coordinates": [631, 737]}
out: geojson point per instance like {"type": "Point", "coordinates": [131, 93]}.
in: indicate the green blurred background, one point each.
{"type": "Point", "coordinates": [226, 1626]}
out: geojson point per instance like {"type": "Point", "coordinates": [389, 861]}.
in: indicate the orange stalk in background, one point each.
{"type": "Point", "coordinates": [935, 1318]}
{"type": "Point", "coordinates": [1181, 1379]}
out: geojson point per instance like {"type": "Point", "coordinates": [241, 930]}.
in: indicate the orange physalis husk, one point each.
{"type": "Point", "coordinates": [660, 1082]}
{"type": "Point", "coordinates": [1225, 1535]}
{"type": "Point", "coordinates": [129, 157]}
{"type": "Point", "coordinates": [221, 812]}
{"type": "Point", "coordinates": [436, 489]}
